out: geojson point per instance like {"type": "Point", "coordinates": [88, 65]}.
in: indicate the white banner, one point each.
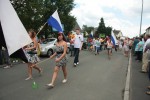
{"type": "Point", "coordinates": [14, 32]}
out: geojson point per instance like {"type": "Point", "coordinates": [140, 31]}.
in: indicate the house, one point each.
{"type": "Point", "coordinates": [76, 26]}
{"type": "Point", "coordinates": [148, 30]}
{"type": "Point", "coordinates": [117, 33]}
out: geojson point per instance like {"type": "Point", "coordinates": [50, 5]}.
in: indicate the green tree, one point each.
{"type": "Point", "coordinates": [87, 29]}
{"type": "Point", "coordinates": [101, 28]}
{"type": "Point", "coordinates": [108, 31]}
{"type": "Point", "coordinates": [34, 13]}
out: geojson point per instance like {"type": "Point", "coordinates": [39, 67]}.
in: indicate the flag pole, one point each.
{"type": "Point", "coordinates": [41, 62]}
{"type": "Point", "coordinates": [41, 28]}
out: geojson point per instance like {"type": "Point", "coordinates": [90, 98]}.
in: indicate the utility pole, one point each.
{"type": "Point", "coordinates": [141, 18]}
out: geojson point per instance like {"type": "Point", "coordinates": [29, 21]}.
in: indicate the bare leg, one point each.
{"type": "Point", "coordinates": [29, 71]}
{"type": "Point", "coordinates": [56, 69]}
{"type": "Point", "coordinates": [109, 54]}
{"type": "Point", "coordinates": [37, 68]}
{"type": "Point", "coordinates": [64, 72]}
{"type": "Point", "coordinates": [127, 53]}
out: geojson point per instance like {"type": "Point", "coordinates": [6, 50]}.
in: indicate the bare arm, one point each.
{"type": "Point", "coordinates": [52, 56]}
{"type": "Point", "coordinates": [81, 45]}
{"type": "Point", "coordinates": [82, 39]}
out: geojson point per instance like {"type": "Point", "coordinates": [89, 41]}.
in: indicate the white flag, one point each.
{"type": "Point", "coordinates": [14, 32]}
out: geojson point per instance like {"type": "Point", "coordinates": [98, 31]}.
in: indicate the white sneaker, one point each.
{"type": "Point", "coordinates": [29, 78]}
{"type": "Point", "coordinates": [6, 67]}
{"type": "Point", "coordinates": [50, 85]}
{"type": "Point", "coordinates": [64, 81]}
{"type": "Point", "coordinates": [77, 63]}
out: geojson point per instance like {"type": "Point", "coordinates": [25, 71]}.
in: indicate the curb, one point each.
{"type": "Point", "coordinates": [127, 85]}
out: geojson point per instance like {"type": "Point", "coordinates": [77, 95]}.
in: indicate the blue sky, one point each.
{"type": "Point", "coordinates": [122, 15]}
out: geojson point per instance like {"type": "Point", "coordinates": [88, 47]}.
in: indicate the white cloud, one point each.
{"type": "Point", "coordinates": [89, 13]}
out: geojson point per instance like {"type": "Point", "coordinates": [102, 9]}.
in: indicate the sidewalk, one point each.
{"type": "Point", "coordinates": [13, 64]}
{"type": "Point", "coordinates": [139, 82]}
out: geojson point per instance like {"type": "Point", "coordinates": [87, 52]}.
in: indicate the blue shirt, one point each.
{"type": "Point", "coordinates": [140, 46]}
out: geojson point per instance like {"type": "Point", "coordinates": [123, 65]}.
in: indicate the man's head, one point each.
{"type": "Point", "coordinates": [147, 36]}
{"type": "Point", "coordinates": [77, 31]}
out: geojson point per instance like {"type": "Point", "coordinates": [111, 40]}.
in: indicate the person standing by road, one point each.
{"type": "Point", "coordinates": [1, 60]}
{"type": "Point", "coordinates": [145, 58]}
{"type": "Point", "coordinates": [146, 50]}
{"type": "Point", "coordinates": [140, 49]}
{"type": "Point", "coordinates": [78, 42]}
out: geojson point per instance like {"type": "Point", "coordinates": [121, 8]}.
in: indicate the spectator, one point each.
{"type": "Point", "coordinates": [136, 41]}
{"type": "Point", "coordinates": [7, 59]}
{"type": "Point", "coordinates": [147, 51]}
{"type": "Point", "coordinates": [145, 59]}
{"type": "Point", "coordinates": [140, 49]}
{"type": "Point", "coordinates": [1, 61]}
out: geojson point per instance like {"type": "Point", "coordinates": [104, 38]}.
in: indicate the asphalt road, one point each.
{"type": "Point", "coordinates": [96, 78]}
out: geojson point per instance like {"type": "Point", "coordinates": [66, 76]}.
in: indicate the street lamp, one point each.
{"type": "Point", "coordinates": [141, 18]}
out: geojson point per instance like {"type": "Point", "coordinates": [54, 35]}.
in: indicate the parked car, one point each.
{"type": "Point", "coordinates": [48, 47]}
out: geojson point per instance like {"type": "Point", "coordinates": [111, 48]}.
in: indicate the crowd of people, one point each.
{"type": "Point", "coordinates": [5, 60]}
{"type": "Point", "coordinates": [139, 46]}
{"type": "Point", "coordinates": [96, 45]}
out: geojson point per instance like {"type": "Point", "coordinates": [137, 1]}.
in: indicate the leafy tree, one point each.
{"type": "Point", "coordinates": [108, 31]}
{"type": "Point", "coordinates": [101, 28]}
{"type": "Point", "coordinates": [34, 13]}
{"type": "Point", "coordinates": [87, 29]}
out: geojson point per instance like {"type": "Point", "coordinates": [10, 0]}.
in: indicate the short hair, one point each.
{"type": "Point", "coordinates": [147, 35]}
{"type": "Point", "coordinates": [140, 38]}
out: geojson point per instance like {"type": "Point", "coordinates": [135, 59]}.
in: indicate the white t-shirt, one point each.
{"type": "Point", "coordinates": [147, 41]}
{"type": "Point", "coordinates": [97, 43]}
{"type": "Point", "coordinates": [78, 40]}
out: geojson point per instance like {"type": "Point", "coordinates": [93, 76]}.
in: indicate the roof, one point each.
{"type": "Point", "coordinates": [76, 26]}
{"type": "Point", "coordinates": [148, 28]}
{"type": "Point", "coordinates": [116, 32]}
